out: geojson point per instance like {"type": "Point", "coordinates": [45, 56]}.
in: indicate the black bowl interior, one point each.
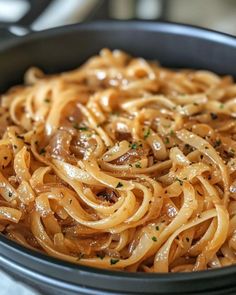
{"type": "Point", "coordinates": [66, 48]}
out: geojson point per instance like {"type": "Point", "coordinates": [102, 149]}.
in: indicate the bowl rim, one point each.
{"type": "Point", "coordinates": [44, 257]}
{"type": "Point", "coordinates": [162, 27]}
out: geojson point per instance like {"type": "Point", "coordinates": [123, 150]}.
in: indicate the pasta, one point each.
{"type": "Point", "coordinates": [121, 164]}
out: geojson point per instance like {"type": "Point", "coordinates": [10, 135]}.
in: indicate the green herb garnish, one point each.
{"type": "Point", "coordinates": [154, 239]}
{"type": "Point", "coordinates": [146, 133]}
{"type": "Point", "coordinates": [119, 184]}
{"type": "Point", "coordinates": [42, 151]}
{"type": "Point", "coordinates": [221, 106]}
{"type": "Point", "coordinates": [179, 180]}
{"type": "Point", "coordinates": [134, 146]}
{"type": "Point", "coordinates": [217, 143]}
{"type": "Point", "coordinates": [101, 256]}
{"type": "Point", "coordinates": [167, 141]}
{"type": "Point", "coordinates": [114, 261]}
{"type": "Point", "coordinates": [138, 165]}
{"type": "Point", "coordinates": [172, 132]}
{"type": "Point", "coordinates": [214, 116]}
{"type": "Point", "coordinates": [81, 128]}
{"type": "Point", "coordinates": [231, 153]}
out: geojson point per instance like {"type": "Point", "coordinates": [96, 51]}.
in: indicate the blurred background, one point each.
{"type": "Point", "coordinates": [42, 14]}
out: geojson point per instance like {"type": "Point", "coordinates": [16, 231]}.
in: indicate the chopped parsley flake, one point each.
{"type": "Point", "coordinates": [214, 116]}
{"type": "Point", "coordinates": [114, 261]}
{"type": "Point", "coordinates": [157, 227]}
{"type": "Point", "coordinates": [47, 100]}
{"type": "Point", "coordinates": [179, 180]}
{"type": "Point", "coordinates": [138, 165]}
{"type": "Point", "coordinates": [134, 146]}
{"type": "Point", "coordinates": [217, 143]}
{"type": "Point", "coordinates": [172, 132]}
{"type": "Point", "coordinates": [146, 133]}
{"type": "Point", "coordinates": [101, 256]}
{"type": "Point", "coordinates": [221, 106]}
{"type": "Point", "coordinates": [81, 128]}
{"type": "Point", "coordinates": [42, 151]}
{"type": "Point", "coordinates": [167, 141]}
{"type": "Point", "coordinates": [154, 239]}
{"type": "Point", "coordinates": [231, 153]}
{"type": "Point", "coordinates": [119, 184]}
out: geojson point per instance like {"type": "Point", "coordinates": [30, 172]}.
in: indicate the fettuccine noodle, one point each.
{"type": "Point", "coordinates": [121, 164]}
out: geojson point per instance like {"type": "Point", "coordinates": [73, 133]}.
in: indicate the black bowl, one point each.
{"type": "Point", "coordinates": [174, 45]}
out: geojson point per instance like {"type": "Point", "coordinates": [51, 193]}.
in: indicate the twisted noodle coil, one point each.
{"type": "Point", "coordinates": [121, 164]}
